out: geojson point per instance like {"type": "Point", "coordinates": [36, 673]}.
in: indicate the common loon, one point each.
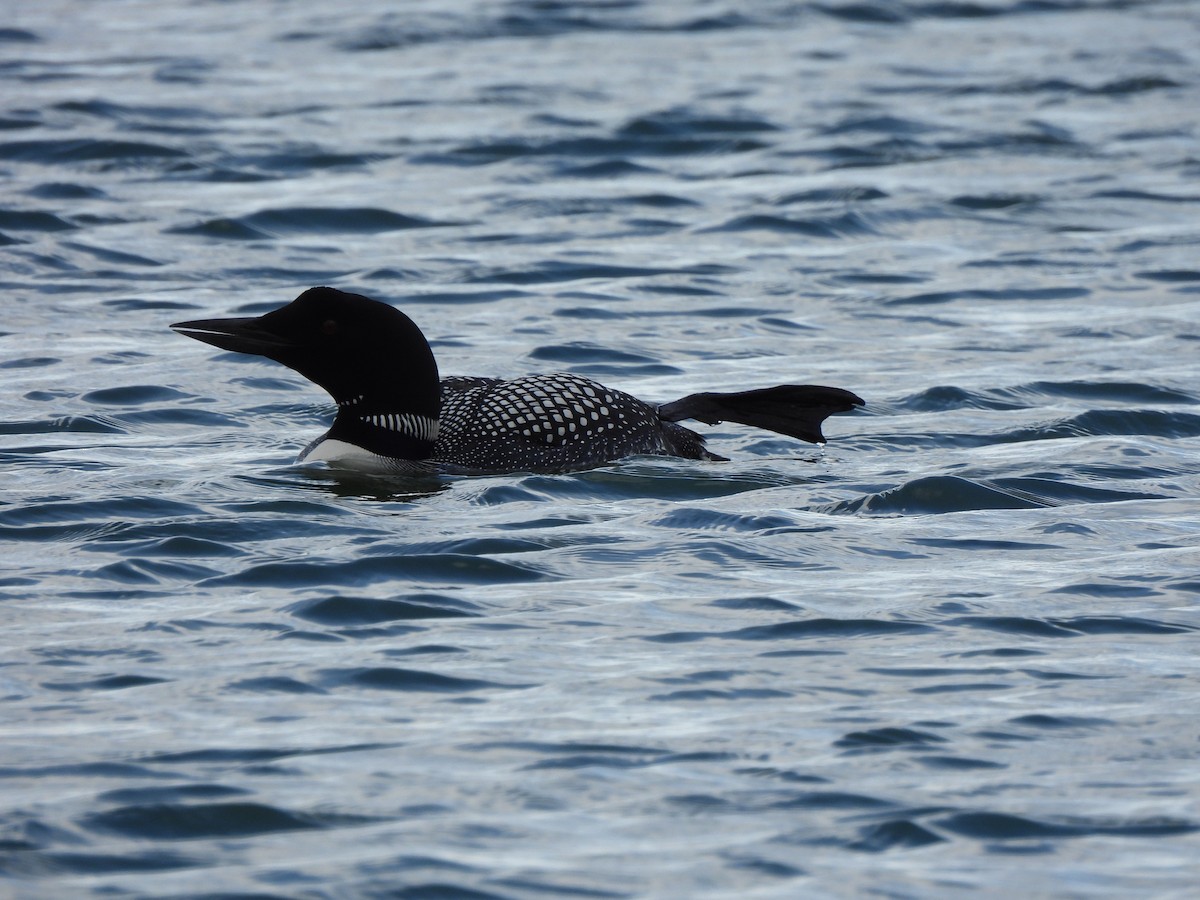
{"type": "Point", "coordinates": [395, 416]}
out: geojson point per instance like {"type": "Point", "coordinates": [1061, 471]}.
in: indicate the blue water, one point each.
{"type": "Point", "coordinates": [951, 653]}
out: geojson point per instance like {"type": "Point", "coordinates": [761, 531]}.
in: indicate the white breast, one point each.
{"type": "Point", "coordinates": [342, 455]}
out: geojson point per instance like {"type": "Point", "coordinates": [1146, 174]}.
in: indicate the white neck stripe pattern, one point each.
{"type": "Point", "coordinates": [421, 427]}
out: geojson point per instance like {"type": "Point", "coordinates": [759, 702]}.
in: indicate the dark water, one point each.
{"type": "Point", "coordinates": [953, 652]}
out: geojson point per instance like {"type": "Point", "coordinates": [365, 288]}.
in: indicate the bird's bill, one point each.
{"type": "Point", "coordinates": [240, 335]}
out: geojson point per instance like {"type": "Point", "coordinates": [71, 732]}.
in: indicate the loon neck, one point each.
{"type": "Point", "coordinates": [387, 429]}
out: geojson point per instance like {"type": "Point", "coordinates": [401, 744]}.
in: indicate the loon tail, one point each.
{"type": "Point", "coordinates": [796, 410]}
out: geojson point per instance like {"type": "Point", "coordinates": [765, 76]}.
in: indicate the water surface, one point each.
{"type": "Point", "coordinates": [953, 651]}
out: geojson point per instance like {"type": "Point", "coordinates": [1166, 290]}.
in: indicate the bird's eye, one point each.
{"type": "Point", "coordinates": [329, 326]}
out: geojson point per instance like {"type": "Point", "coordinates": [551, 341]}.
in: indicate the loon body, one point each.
{"type": "Point", "coordinates": [395, 415]}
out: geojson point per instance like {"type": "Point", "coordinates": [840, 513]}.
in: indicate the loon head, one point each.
{"type": "Point", "coordinates": [371, 358]}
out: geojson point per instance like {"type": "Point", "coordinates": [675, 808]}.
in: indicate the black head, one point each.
{"type": "Point", "coordinates": [369, 356]}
